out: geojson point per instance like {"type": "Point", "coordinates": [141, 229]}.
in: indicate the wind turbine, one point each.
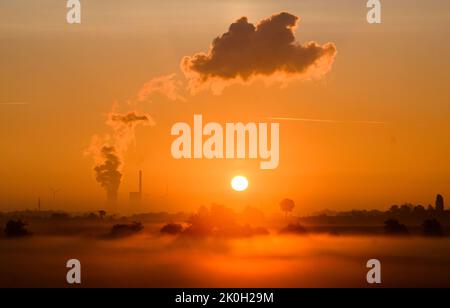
{"type": "Point", "coordinates": [54, 191]}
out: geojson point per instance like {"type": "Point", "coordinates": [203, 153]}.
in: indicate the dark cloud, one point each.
{"type": "Point", "coordinates": [130, 118]}
{"type": "Point", "coordinates": [248, 51]}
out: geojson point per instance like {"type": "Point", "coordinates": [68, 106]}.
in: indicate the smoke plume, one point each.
{"type": "Point", "coordinates": [107, 172]}
{"type": "Point", "coordinates": [169, 86]}
{"type": "Point", "coordinates": [109, 150]}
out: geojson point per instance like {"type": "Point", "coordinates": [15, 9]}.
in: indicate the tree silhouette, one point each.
{"type": "Point", "coordinates": [123, 230]}
{"type": "Point", "coordinates": [102, 213]}
{"type": "Point", "coordinates": [439, 203]}
{"type": "Point", "coordinates": [172, 228]}
{"type": "Point", "coordinates": [406, 209]}
{"type": "Point", "coordinates": [432, 227]}
{"type": "Point", "coordinates": [392, 226]}
{"type": "Point", "coordinates": [419, 210]}
{"type": "Point", "coordinates": [16, 228]}
{"type": "Point", "coordinates": [394, 209]}
{"type": "Point", "coordinates": [293, 229]}
{"type": "Point", "coordinates": [287, 205]}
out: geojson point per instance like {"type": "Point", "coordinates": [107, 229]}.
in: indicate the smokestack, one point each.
{"type": "Point", "coordinates": [140, 182]}
{"type": "Point", "coordinates": [109, 150]}
{"type": "Point", "coordinates": [136, 197]}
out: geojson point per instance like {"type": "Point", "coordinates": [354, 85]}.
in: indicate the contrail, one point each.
{"type": "Point", "coordinates": [326, 121]}
{"type": "Point", "coordinates": [14, 103]}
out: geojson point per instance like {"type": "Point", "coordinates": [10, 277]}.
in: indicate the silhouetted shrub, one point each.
{"type": "Point", "coordinates": [172, 229]}
{"type": "Point", "coordinates": [102, 214]}
{"type": "Point", "coordinates": [432, 227]}
{"type": "Point", "coordinates": [92, 216]}
{"type": "Point", "coordinates": [16, 228]}
{"type": "Point", "coordinates": [293, 229]}
{"type": "Point", "coordinates": [393, 227]}
{"type": "Point", "coordinates": [122, 230]}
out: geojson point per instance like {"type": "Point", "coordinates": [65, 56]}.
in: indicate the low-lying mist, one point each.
{"type": "Point", "coordinates": [149, 260]}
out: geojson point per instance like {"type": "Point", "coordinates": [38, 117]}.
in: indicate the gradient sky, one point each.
{"type": "Point", "coordinates": [68, 77]}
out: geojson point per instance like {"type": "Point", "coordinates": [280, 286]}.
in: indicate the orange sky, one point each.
{"type": "Point", "coordinates": [70, 76]}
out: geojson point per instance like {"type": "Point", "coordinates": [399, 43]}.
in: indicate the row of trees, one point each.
{"type": "Point", "coordinates": [288, 205]}
{"type": "Point", "coordinates": [430, 227]}
{"type": "Point", "coordinates": [408, 208]}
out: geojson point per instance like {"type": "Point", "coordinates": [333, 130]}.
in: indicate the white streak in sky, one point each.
{"type": "Point", "coordinates": [325, 121]}
{"type": "Point", "coordinates": [14, 103]}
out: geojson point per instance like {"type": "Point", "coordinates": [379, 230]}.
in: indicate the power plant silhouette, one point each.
{"type": "Point", "coordinates": [136, 197]}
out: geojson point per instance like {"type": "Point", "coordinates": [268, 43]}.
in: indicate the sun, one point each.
{"type": "Point", "coordinates": [239, 183]}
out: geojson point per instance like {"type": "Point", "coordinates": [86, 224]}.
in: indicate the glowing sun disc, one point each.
{"type": "Point", "coordinates": [239, 183]}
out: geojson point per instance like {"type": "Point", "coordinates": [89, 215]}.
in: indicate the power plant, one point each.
{"type": "Point", "coordinates": [136, 197]}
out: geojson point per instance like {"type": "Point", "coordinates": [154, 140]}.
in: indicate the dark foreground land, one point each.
{"type": "Point", "coordinates": [216, 247]}
{"type": "Point", "coordinates": [260, 261]}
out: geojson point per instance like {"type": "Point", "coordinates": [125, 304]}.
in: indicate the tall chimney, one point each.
{"type": "Point", "coordinates": [140, 182]}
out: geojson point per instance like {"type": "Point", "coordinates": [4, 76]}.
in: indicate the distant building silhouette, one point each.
{"type": "Point", "coordinates": [136, 197]}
